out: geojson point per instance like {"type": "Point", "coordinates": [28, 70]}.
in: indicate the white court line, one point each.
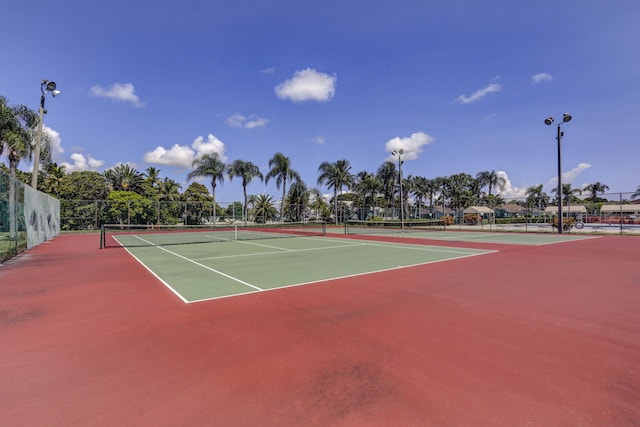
{"type": "Point", "coordinates": [351, 242]}
{"type": "Point", "coordinates": [341, 277]}
{"type": "Point", "coordinates": [204, 266]}
{"type": "Point", "coordinates": [279, 252]}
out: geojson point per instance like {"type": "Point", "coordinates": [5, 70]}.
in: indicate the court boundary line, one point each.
{"type": "Point", "coordinates": [342, 277]}
{"type": "Point", "coordinates": [426, 236]}
{"type": "Point", "coordinates": [355, 242]}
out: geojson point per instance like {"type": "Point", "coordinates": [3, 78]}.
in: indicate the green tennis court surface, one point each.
{"type": "Point", "coordinates": [203, 271]}
{"type": "Point", "coordinates": [465, 236]}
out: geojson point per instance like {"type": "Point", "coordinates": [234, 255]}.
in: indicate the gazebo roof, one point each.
{"type": "Point", "coordinates": [478, 210]}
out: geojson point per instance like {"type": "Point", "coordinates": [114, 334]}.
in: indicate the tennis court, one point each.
{"type": "Point", "coordinates": [430, 230]}
{"type": "Point", "coordinates": [228, 266]}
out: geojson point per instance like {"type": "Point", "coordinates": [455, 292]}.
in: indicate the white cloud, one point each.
{"type": "Point", "coordinates": [269, 71]}
{"type": "Point", "coordinates": [82, 162]}
{"type": "Point", "coordinates": [318, 140]}
{"type": "Point", "coordinates": [182, 156]}
{"type": "Point", "coordinates": [541, 77]}
{"type": "Point", "coordinates": [510, 191]}
{"type": "Point", "coordinates": [569, 176]}
{"type": "Point", "coordinates": [118, 92]}
{"type": "Point", "coordinates": [479, 94]}
{"type": "Point", "coordinates": [238, 120]}
{"type": "Point", "coordinates": [54, 140]}
{"type": "Point", "coordinates": [255, 122]}
{"type": "Point", "coordinates": [412, 145]}
{"type": "Point", "coordinates": [308, 85]}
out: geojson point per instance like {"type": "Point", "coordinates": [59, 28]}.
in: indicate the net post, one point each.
{"type": "Point", "coordinates": [101, 236]}
{"type": "Point", "coordinates": [235, 231]}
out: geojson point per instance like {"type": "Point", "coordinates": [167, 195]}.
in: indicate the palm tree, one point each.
{"type": "Point", "coordinates": [568, 193]}
{"type": "Point", "coordinates": [247, 171]}
{"type": "Point", "coordinates": [281, 170]}
{"type": "Point", "coordinates": [491, 179]}
{"type": "Point", "coordinates": [458, 189]}
{"type": "Point", "coordinates": [636, 194]}
{"type": "Point", "coordinates": [209, 166]}
{"type": "Point", "coordinates": [318, 204]}
{"type": "Point", "coordinates": [594, 189]}
{"type": "Point", "coordinates": [262, 208]}
{"type": "Point", "coordinates": [421, 189]}
{"type": "Point", "coordinates": [335, 175]}
{"type": "Point", "coordinates": [55, 175]}
{"type": "Point", "coordinates": [16, 133]}
{"type": "Point", "coordinates": [297, 201]}
{"type": "Point", "coordinates": [153, 176]}
{"type": "Point", "coordinates": [124, 177]}
{"type": "Point", "coordinates": [537, 197]}
{"type": "Point", "coordinates": [388, 176]}
{"type": "Point", "coordinates": [169, 190]}
{"type": "Point", "coordinates": [367, 186]}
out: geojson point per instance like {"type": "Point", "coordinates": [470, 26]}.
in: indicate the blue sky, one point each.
{"type": "Point", "coordinates": [461, 86]}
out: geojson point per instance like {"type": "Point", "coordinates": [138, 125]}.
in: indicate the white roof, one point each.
{"type": "Point", "coordinates": [478, 210]}
{"type": "Point", "coordinates": [566, 209]}
{"type": "Point", "coordinates": [620, 208]}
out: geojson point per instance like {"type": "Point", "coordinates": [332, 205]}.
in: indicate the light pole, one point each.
{"type": "Point", "coordinates": [566, 117]}
{"type": "Point", "coordinates": [45, 87]}
{"type": "Point", "coordinates": [399, 153]}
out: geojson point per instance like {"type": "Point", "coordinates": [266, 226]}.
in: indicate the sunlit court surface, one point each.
{"type": "Point", "coordinates": [322, 329]}
{"type": "Point", "coordinates": [227, 266]}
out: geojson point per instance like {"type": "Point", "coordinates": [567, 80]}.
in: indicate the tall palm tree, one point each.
{"type": "Point", "coordinates": [16, 133]}
{"type": "Point", "coordinates": [152, 175]}
{"type": "Point", "coordinates": [55, 175]}
{"type": "Point", "coordinates": [280, 169]}
{"type": "Point", "coordinates": [209, 166]}
{"type": "Point", "coordinates": [318, 204]}
{"type": "Point", "coordinates": [335, 175]}
{"type": "Point", "coordinates": [459, 190]}
{"type": "Point", "coordinates": [367, 186]}
{"type": "Point", "coordinates": [594, 189]}
{"type": "Point", "coordinates": [568, 193]}
{"type": "Point", "coordinates": [421, 189]}
{"type": "Point", "coordinates": [388, 176]}
{"type": "Point", "coordinates": [636, 194]}
{"type": "Point", "coordinates": [297, 201]}
{"type": "Point", "coordinates": [491, 179]}
{"type": "Point", "coordinates": [247, 171]}
{"type": "Point", "coordinates": [536, 196]}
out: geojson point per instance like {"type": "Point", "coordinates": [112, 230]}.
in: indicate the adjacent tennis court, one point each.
{"type": "Point", "coordinates": [222, 268]}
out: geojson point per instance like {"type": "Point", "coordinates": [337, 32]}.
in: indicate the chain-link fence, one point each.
{"type": "Point", "coordinates": [27, 217]}
{"type": "Point", "coordinates": [616, 212]}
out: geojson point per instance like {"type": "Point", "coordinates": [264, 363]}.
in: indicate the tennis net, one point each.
{"type": "Point", "coordinates": [112, 235]}
{"type": "Point", "coordinates": [392, 227]}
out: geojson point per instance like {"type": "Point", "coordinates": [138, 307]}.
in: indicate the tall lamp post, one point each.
{"type": "Point", "coordinates": [566, 117]}
{"type": "Point", "coordinates": [399, 153]}
{"type": "Point", "coordinates": [45, 87]}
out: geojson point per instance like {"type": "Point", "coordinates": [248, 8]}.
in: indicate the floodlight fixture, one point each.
{"type": "Point", "coordinates": [46, 86]}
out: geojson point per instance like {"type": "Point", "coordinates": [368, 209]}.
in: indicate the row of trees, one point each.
{"type": "Point", "coordinates": [376, 191]}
